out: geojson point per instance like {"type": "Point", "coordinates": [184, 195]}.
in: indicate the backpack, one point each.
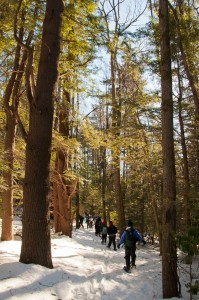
{"type": "Point", "coordinates": [104, 230]}
{"type": "Point", "coordinates": [130, 240]}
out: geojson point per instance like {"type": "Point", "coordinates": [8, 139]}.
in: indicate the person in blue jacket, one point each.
{"type": "Point", "coordinates": [129, 238]}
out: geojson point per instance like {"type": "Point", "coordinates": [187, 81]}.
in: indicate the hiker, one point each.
{"type": "Point", "coordinates": [129, 238]}
{"type": "Point", "coordinates": [112, 230]}
{"type": "Point", "coordinates": [81, 219]}
{"type": "Point", "coordinates": [98, 224]}
{"type": "Point", "coordinates": [104, 232]}
{"type": "Point", "coordinates": [91, 223]}
{"type": "Point", "coordinates": [87, 220]}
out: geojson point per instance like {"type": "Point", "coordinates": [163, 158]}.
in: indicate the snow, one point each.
{"type": "Point", "coordinates": [83, 269]}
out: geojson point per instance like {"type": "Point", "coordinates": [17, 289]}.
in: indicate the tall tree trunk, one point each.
{"type": "Point", "coordinates": [63, 190]}
{"type": "Point", "coordinates": [77, 205]}
{"type": "Point", "coordinates": [169, 255]}
{"type": "Point", "coordinates": [7, 194]}
{"type": "Point", "coordinates": [11, 103]}
{"type": "Point", "coordinates": [36, 243]}
{"type": "Point", "coordinates": [103, 182]}
{"type": "Point", "coordinates": [186, 186]}
{"type": "Point", "coordinates": [63, 187]}
{"type": "Point", "coordinates": [77, 208]}
{"type": "Point", "coordinates": [116, 122]}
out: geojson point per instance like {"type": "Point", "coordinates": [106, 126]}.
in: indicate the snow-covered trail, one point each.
{"type": "Point", "coordinates": [84, 269]}
{"type": "Point", "coordinates": [100, 270]}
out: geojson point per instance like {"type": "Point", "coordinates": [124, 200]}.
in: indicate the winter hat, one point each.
{"type": "Point", "coordinates": [129, 223]}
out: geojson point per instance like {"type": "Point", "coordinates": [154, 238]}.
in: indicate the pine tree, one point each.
{"type": "Point", "coordinates": [36, 246]}
{"type": "Point", "coordinates": [169, 255]}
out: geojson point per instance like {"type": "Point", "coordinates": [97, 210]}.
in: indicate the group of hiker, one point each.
{"type": "Point", "coordinates": [129, 239]}
{"type": "Point", "coordinates": [101, 229]}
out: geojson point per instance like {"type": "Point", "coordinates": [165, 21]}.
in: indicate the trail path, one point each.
{"type": "Point", "coordinates": [84, 269]}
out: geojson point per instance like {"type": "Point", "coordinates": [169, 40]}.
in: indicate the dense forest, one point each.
{"type": "Point", "coordinates": [100, 114]}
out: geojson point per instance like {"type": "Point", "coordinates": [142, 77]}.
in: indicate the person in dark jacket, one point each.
{"type": "Point", "coordinates": [81, 219]}
{"type": "Point", "coordinates": [129, 238]}
{"type": "Point", "coordinates": [104, 232]}
{"type": "Point", "coordinates": [112, 230]}
{"type": "Point", "coordinates": [98, 224]}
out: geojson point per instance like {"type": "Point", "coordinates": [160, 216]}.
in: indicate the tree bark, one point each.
{"type": "Point", "coordinates": [11, 103]}
{"type": "Point", "coordinates": [36, 243]}
{"type": "Point", "coordinates": [63, 190]}
{"type": "Point", "coordinates": [116, 123]}
{"type": "Point", "coordinates": [103, 182]}
{"type": "Point", "coordinates": [186, 201]}
{"type": "Point", "coordinates": [7, 194]}
{"type": "Point", "coordinates": [169, 255]}
{"type": "Point", "coordinates": [77, 209]}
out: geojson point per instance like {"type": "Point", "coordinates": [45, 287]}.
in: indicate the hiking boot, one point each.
{"type": "Point", "coordinates": [127, 269]}
{"type": "Point", "coordinates": [115, 249]}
